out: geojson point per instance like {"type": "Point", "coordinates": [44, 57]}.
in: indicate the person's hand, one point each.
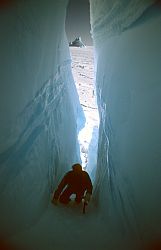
{"type": "Point", "coordinates": [87, 197]}
{"type": "Point", "coordinates": [54, 201]}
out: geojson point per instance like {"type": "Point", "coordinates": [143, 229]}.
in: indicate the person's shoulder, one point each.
{"type": "Point", "coordinates": [69, 173]}
{"type": "Point", "coordinates": [85, 173]}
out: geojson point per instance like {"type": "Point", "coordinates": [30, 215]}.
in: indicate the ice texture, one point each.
{"type": "Point", "coordinates": [41, 117]}
{"type": "Point", "coordinates": [111, 17]}
{"type": "Point", "coordinates": [128, 81]}
{"type": "Point", "coordinates": [39, 107]}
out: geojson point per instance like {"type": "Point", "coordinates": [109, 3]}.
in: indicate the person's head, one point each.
{"type": "Point", "coordinates": [77, 167]}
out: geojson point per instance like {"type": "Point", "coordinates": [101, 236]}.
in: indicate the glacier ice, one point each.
{"type": "Point", "coordinates": [110, 18]}
{"type": "Point", "coordinates": [128, 85]}
{"type": "Point", "coordinates": [39, 107]}
{"type": "Point", "coordinates": [41, 116]}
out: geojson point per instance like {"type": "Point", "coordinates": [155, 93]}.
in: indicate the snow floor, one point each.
{"type": "Point", "coordinates": [61, 228]}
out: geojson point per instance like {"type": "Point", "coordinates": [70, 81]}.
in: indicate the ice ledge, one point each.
{"type": "Point", "coordinates": [109, 18]}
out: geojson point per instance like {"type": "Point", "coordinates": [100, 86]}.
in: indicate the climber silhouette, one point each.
{"type": "Point", "coordinates": [76, 182]}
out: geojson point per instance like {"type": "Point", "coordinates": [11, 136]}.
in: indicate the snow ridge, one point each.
{"type": "Point", "coordinates": [109, 18]}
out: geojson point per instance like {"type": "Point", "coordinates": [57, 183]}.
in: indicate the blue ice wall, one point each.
{"type": "Point", "coordinates": [38, 107]}
{"type": "Point", "coordinates": [128, 85]}
{"type": "Point", "coordinates": [38, 124]}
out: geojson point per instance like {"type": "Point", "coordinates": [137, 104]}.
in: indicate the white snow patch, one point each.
{"type": "Point", "coordinates": [83, 73]}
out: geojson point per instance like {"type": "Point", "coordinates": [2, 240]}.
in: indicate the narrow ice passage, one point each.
{"type": "Point", "coordinates": [39, 109]}
{"type": "Point", "coordinates": [83, 73]}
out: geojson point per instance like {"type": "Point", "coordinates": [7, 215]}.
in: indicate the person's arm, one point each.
{"type": "Point", "coordinates": [89, 185]}
{"type": "Point", "coordinates": [89, 189]}
{"type": "Point", "coordinates": [60, 188]}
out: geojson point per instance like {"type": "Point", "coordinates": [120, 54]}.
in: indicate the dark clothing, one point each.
{"type": "Point", "coordinates": [76, 182]}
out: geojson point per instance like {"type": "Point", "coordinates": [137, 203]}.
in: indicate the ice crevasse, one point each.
{"type": "Point", "coordinates": [40, 119]}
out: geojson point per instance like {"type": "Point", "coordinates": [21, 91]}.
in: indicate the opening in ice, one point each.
{"type": "Point", "coordinates": [82, 56]}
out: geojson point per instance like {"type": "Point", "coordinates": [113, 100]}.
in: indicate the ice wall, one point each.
{"type": "Point", "coordinates": [128, 80]}
{"type": "Point", "coordinates": [38, 107]}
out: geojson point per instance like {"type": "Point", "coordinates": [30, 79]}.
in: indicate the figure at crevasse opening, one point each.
{"type": "Point", "coordinates": [76, 181]}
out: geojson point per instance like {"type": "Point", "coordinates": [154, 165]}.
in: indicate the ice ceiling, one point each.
{"type": "Point", "coordinates": [41, 116]}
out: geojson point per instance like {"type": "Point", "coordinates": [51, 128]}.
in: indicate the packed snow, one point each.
{"type": "Point", "coordinates": [41, 117]}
